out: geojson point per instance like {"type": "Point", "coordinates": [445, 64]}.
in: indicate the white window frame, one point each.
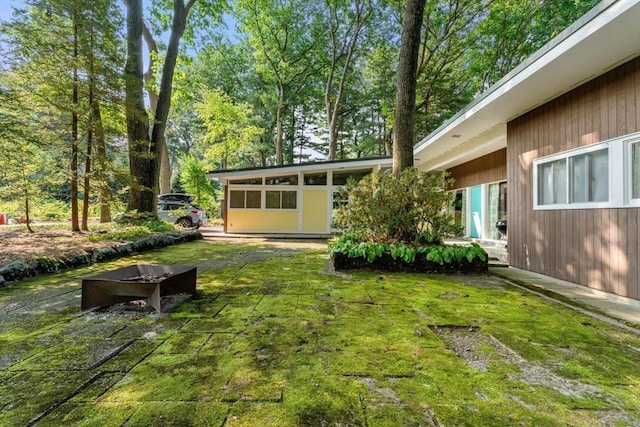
{"type": "Point", "coordinates": [620, 174]}
{"type": "Point", "coordinates": [279, 189]}
{"type": "Point", "coordinates": [629, 142]}
{"type": "Point", "coordinates": [245, 188]}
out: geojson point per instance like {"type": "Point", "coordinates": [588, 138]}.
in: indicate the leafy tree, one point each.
{"type": "Point", "coordinates": [227, 70]}
{"type": "Point", "coordinates": [515, 29]}
{"type": "Point", "coordinates": [447, 38]}
{"type": "Point", "coordinates": [194, 181]}
{"type": "Point", "coordinates": [144, 151]}
{"type": "Point", "coordinates": [61, 57]}
{"type": "Point", "coordinates": [17, 147]}
{"type": "Point", "coordinates": [229, 127]}
{"type": "Point", "coordinates": [347, 25]}
{"type": "Point", "coordinates": [378, 86]}
{"type": "Point", "coordinates": [283, 36]}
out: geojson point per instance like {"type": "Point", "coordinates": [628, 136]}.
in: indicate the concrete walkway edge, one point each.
{"type": "Point", "coordinates": [614, 309]}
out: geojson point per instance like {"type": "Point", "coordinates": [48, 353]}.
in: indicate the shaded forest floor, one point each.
{"type": "Point", "coordinates": [17, 244]}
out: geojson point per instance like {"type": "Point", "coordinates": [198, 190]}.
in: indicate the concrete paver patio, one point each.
{"type": "Point", "coordinates": [274, 338]}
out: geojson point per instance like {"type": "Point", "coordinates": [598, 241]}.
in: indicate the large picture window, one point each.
{"type": "Point", "coordinates": [579, 177]}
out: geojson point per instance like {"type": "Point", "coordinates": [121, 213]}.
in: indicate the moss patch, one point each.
{"type": "Point", "coordinates": [275, 339]}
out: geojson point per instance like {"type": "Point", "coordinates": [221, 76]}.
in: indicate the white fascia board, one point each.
{"type": "Point", "coordinates": [224, 176]}
{"type": "Point", "coordinates": [602, 39]}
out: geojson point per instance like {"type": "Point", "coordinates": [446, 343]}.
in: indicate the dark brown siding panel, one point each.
{"type": "Point", "coordinates": [634, 269]}
{"type": "Point", "coordinates": [598, 248]}
{"type": "Point", "coordinates": [483, 170]}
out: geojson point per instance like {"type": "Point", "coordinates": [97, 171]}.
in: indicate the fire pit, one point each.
{"type": "Point", "coordinates": [138, 281]}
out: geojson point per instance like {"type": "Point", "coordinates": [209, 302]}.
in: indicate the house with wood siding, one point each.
{"type": "Point", "coordinates": [554, 147]}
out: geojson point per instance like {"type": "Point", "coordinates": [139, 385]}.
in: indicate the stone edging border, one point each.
{"type": "Point", "coordinates": [19, 270]}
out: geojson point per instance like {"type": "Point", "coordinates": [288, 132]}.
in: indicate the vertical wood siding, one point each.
{"type": "Point", "coordinates": [485, 169]}
{"type": "Point", "coordinates": [598, 248]}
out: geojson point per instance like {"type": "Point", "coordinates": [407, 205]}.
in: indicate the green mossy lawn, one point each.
{"type": "Point", "coordinates": [274, 339]}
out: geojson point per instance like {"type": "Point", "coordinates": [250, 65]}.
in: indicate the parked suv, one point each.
{"type": "Point", "coordinates": [179, 209]}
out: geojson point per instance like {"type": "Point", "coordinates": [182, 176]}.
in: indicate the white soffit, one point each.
{"type": "Point", "coordinates": [604, 38]}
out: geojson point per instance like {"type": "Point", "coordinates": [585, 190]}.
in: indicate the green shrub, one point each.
{"type": "Point", "coordinates": [132, 232]}
{"type": "Point", "coordinates": [410, 209]}
{"type": "Point", "coordinates": [159, 226]}
{"type": "Point", "coordinates": [349, 245]}
{"type": "Point", "coordinates": [135, 218]}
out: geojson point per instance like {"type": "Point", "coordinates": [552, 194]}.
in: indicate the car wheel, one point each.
{"type": "Point", "coordinates": [185, 222]}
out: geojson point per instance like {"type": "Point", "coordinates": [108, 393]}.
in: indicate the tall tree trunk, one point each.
{"type": "Point", "coordinates": [180, 13]}
{"type": "Point", "coordinates": [142, 154]}
{"type": "Point", "coordinates": [87, 167]}
{"type": "Point", "coordinates": [101, 162]}
{"type": "Point", "coordinates": [165, 167]}
{"type": "Point", "coordinates": [27, 211]}
{"type": "Point", "coordinates": [75, 227]}
{"type": "Point", "coordinates": [404, 127]}
{"type": "Point", "coordinates": [87, 180]}
{"type": "Point", "coordinates": [279, 131]}
{"type": "Point", "coordinates": [149, 77]}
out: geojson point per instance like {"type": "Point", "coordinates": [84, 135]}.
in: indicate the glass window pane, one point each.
{"type": "Point", "coordinates": [282, 180]}
{"type": "Point", "coordinates": [253, 200]}
{"type": "Point", "coordinates": [599, 176]}
{"type": "Point", "coordinates": [315, 178]}
{"type": "Point", "coordinates": [236, 199]}
{"type": "Point", "coordinates": [559, 181]}
{"type": "Point", "coordinates": [502, 204]}
{"type": "Point", "coordinates": [635, 170]}
{"type": "Point", "coordinates": [590, 177]}
{"type": "Point", "coordinates": [247, 181]}
{"type": "Point", "coordinates": [552, 183]}
{"type": "Point", "coordinates": [289, 200]}
{"type": "Point", "coordinates": [579, 182]}
{"type": "Point", "coordinates": [544, 184]}
{"type": "Point", "coordinates": [341, 178]}
{"type": "Point", "coordinates": [272, 199]}
{"type": "Point", "coordinates": [493, 198]}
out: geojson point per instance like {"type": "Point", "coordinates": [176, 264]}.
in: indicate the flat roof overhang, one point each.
{"type": "Point", "coordinates": [223, 176]}
{"type": "Point", "coordinates": [607, 36]}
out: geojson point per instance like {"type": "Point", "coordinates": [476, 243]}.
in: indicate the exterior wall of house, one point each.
{"type": "Point", "coordinates": [489, 168]}
{"type": "Point", "coordinates": [262, 221]}
{"type": "Point", "coordinates": [315, 218]}
{"type": "Point", "coordinates": [480, 194]}
{"type": "Point", "coordinates": [595, 247]}
{"type": "Point", "coordinates": [290, 202]}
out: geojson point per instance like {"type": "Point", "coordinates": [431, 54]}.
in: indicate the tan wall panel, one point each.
{"type": "Point", "coordinates": [485, 169]}
{"type": "Point", "coordinates": [314, 211]}
{"type": "Point", "coordinates": [598, 248]}
{"type": "Point", "coordinates": [260, 221]}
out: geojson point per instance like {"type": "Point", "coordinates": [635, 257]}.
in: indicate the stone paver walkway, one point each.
{"type": "Point", "coordinates": [275, 339]}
